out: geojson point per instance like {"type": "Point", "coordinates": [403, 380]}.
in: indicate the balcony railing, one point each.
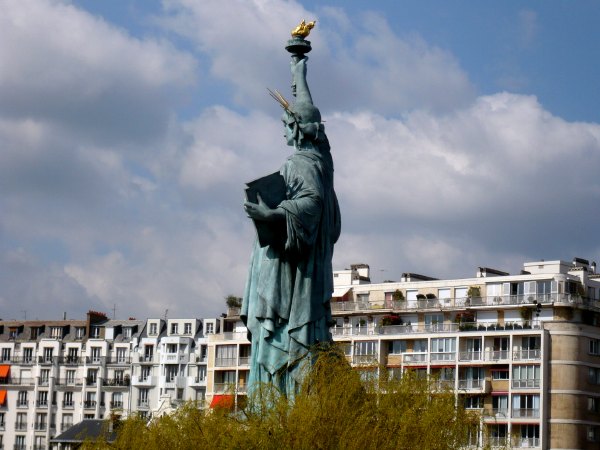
{"type": "Point", "coordinates": [41, 403]}
{"type": "Point", "coordinates": [443, 356]}
{"type": "Point", "coordinates": [230, 335]}
{"type": "Point", "coordinates": [463, 302]}
{"type": "Point", "coordinates": [88, 404]}
{"type": "Point", "coordinates": [116, 404]}
{"type": "Point", "coordinates": [68, 404]}
{"type": "Point", "coordinates": [116, 382]}
{"type": "Point", "coordinates": [470, 356]}
{"type": "Point", "coordinates": [224, 388]}
{"type": "Point", "coordinates": [244, 360]}
{"type": "Point", "coordinates": [411, 358]}
{"type": "Point", "coordinates": [495, 441]}
{"type": "Point", "coordinates": [519, 442]}
{"type": "Point", "coordinates": [226, 362]}
{"type": "Point", "coordinates": [526, 413]}
{"type": "Point", "coordinates": [40, 426]}
{"type": "Point", "coordinates": [526, 383]}
{"type": "Point", "coordinates": [20, 426]}
{"type": "Point", "coordinates": [496, 413]}
{"type": "Point", "coordinates": [527, 354]}
{"type": "Point", "coordinates": [70, 360]}
{"type": "Point", "coordinates": [44, 360]}
{"type": "Point", "coordinates": [120, 360]}
{"type": "Point", "coordinates": [143, 380]}
{"type": "Point", "coordinates": [94, 360]}
{"type": "Point", "coordinates": [68, 381]}
{"type": "Point", "coordinates": [91, 381]}
{"type": "Point", "coordinates": [143, 404]}
{"type": "Point", "coordinates": [22, 404]}
{"type": "Point", "coordinates": [474, 384]}
{"type": "Point", "coordinates": [18, 381]}
{"type": "Point", "coordinates": [366, 359]}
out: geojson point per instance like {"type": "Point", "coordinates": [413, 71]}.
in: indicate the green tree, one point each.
{"type": "Point", "coordinates": [334, 409]}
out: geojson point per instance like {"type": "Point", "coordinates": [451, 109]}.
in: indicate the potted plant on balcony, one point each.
{"type": "Point", "coordinates": [391, 319]}
{"type": "Point", "coordinates": [474, 292]}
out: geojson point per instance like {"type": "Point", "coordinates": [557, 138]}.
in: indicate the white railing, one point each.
{"type": "Point", "coordinates": [470, 356]}
{"type": "Point", "coordinates": [443, 356]}
{"type": "Point", "coordinates": [526, 383]}
{"type": "Point", "coordinates": [520, 442]}
{"type": "Point", "coordinates": [526, 412]}
{"type": "Point", "coordinates": [462, 302]}
{"type": "Point", "coordinates": [528, 354]}
{"type": "Point", "coordinates": [408, 358]}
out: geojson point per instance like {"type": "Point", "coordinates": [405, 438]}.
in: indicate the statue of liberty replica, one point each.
{"type": "Point", "coordinates": [286, 305]}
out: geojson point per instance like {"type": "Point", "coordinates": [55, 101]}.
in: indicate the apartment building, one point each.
{"type": "Point", "coordinates": [522, 349]}
{"type": "Point", "coordinates": [54, 374]}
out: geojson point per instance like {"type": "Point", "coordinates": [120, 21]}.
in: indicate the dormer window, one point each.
{"type": "Point", "coordinates": [127, 332]}
{"type": "Point", "coordinates": [79, 332]}
{"type": "Point", "coordinates": [56, 332]}
{"type": "Point", "coordinates": [13, 332]}
{"type": "Point", "coordinates": [95, 332]}
{"type": "Point", "coordinates": [173, 328]}
{"type": "Point", "coordinates": [187, 328]}
{"type": "Point", "coordinates": [153, 329]}
{"type": "Point", "coordinates": [210, 328]}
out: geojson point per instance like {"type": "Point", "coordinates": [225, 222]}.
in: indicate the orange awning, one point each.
{"type": "Point", "coordinates": [4, 369]}
{"type": "Point", "coordinates": [222, 401]}
{"type": "Point", "coordinates": [2, 397]}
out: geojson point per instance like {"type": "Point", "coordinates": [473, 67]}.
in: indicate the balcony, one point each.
{"type": "Point", "coordinates": [119, 361]}
{"type": "Point", "coordinates": [47, 360]}
{"type": "Point", "coordinates": [496, 413]}
{"type": "Point", "coordinates": [175, 382]}
{"type": "Point", "coordinates": [143, 381]}
{"type": "Point", "coordinates": [40, 426]}
{"type": "Point", "coordinates": [41, 404]}
{"type": "Point", "coordinates": [415, 358]}
{"type": "Point", "coordinates": [196, 381]}
{"type": "Point", "coordinates": [65, 426]}
{"type": "Point", "coordinates": [70, 360]}
{"type": "Point", "coordinates": [533, 383]}
{"type": "Point", "coordinates": [174, 358]}
{"type": "Point", "coordinates": [143, 404]}
{"type": "Point", "coordinates": [91, 381]}
{"type": "Point", "coordinates": [95, 360]}
{"type": "Point", "coordinates": [474, 385]}
{"type": "Point", "coordinates": [462, 303]}
{"type": "Point", "coordinates": [90, 404]}
{"type": "Point", "coordinates": [470, 356]}
{"type": "Point", "coordinates": [116, 404]}
{"type": "Point", "coordinates": [22, 360]}
{"type": "Point", "coordinates": [442, 357]}
{"type": "Point", "coordinates": [526, 413]}
{"type": "Point", "coordinates": [244, 361]}
{"type": "Point", "coordinates": [22, 404]}
{"type": "Point", "coordinates": [226, 362]}
{"type": "Point", "coordinates": [366, 360]}
{"type": "Point", "coordinates": [527, 355]}
{"type": "Point", "coordinates": [66, 382]}
{"type": "Point", "coordinates": [519, 442]}
{"type": "Point", "coordinates": [224, 388]}
{"type": "Point", "coordinates": [20, 426]}
{"type": "Point", "coordinates": [43, 381]}
{"type": "Point", "coordinates": [497, 355]}
{"type": "Point", "coordinates": [17, 381]}
{"type": "Point", "coordinates": [68, 404]}
{"type": "Point", "coordinates": [116, 382]}
{"type": "Point", "coordinates": [495, 441]}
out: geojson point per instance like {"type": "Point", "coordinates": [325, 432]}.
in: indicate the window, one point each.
{"type": "Point", "coordinates": [226, 355]}
{"type": "Point", "coordinates": [121, 354]}
{"type": "Point", "coordinates": [593, 433]}
{"type": "Point", "coordinates": [500, 374]}
{"type": "Point", "coordinates": [22, 398]}
{"type": "Point", "coordinates": [148, 352]}
{"type": "Point", "coordinates": [90, 400]}
{"type": "Point", "coordinates": [56, 332]}
{"type": "Point", "coordinates": [42, 399]}
{"type": "Point", "coordinates": [20, 442]}
{"type": "Point", "coordinates": [173, 328]}
{"type": "Point", "coordinates": [210, 328]}
{"type": "Point", "coordinates": [67, 421]}
{"type": "Point", "coordinates": [442, 349]}
{"type": "Point", "coordinates": [201, 373]}
{"type": "Point", "coordinates": [117, 400]}
{"type": "Point", "coordinates": [89, 416]}
{"type": "Point", "coordinates": [420, 345]}
{"type": "Point", "coordinates": [531, 343]}
{"type": "Point", "coordinates": [594, 404]}
{"type": "Point", "coordinates": [79, 332]}
{"type": "Point", "coordinates": [530, 435]}
{"type": "Point", "coordinates": [500, 405]}
{"type": "Point", "coordinates": [44, 376]}
{"type": "Point", "coordinates": [92, 376]}
{"type": "Point", "coordinates": [171, 372]}
{"type": "Point", "coordinates": [119, 377]}
{"type": "Point", "coordinates": [27, 354]}
{"type": "Point", "coordinates": [21, 423]}
{"type": "Point", "coordinates": [187, 328]}
{"type": "Point", "coordinates": [143, 397]}
{"type": "Point", "coordinates": [397, 347]}
{"type": "Point", "coordinates": [41, 421]}
{"type": "Point", "coordinates": [146, 371]}
{"type": "Point", "coordinates": [13, 332]}
{"type": "Point", "coordinates": [127, 332]}
{"type": "Point", "coordinates": [526, 406]}
{"type": "Point", "coordinates": [474, 402]}
{"type": "Point", "coordinates": [6, 354]}
{"type": "Point", "coordinates": [171, 348]}
{"type": "Point", "coordinates": [594, 347]}
{"type": "Point", "coordinates": [434, 322]}
{"type": "Point", "coordinates": [365, 352]}
{"type": "Point", "coordinates": [48, 351]}
{"type": "Point", "coordinates": [594, 375]}
{"type": "Point", "coordinates": [95, 332]}
{"type": "Point", "coordinates": [362, 298]}
{"type": "Point", "coordinates": [73, 355]}
{"type": "Point", "coordinates": [526, 376]}
{"type": "Point", "coordinates": [70, 376]}
{"type": "Point", "coordinates": [68, 399]}
{"type": "Point", "coordinates": [153, 329]}
{"type": "Point", "coordinates": [96, 352]}
{"type": "Point", "coordinates": [2, 424]}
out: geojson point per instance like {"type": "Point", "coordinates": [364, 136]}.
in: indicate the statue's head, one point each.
{"type": "Point", "coordinates": [302, 123]}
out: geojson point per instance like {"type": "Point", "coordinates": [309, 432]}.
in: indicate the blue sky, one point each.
{"type": "Point", "coordinates": [464, 134]}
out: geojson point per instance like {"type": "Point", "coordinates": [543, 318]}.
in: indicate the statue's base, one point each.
{"type": "Point", "coordinates": [298, 46]}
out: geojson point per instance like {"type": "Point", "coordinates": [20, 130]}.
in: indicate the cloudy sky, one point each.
{"type": "Point", "coordinates": [464, 134]}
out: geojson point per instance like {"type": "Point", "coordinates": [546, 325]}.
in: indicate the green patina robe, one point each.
{"type": "Point", "coordinates": [286, 301]}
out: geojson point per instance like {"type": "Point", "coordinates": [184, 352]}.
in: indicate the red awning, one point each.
{"type": "Point", "coordinates": [222, 401]}
{"type": "Point", "coordinates": [4, 369]}
{"type": "Point", "coordinates": [2, 397]}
